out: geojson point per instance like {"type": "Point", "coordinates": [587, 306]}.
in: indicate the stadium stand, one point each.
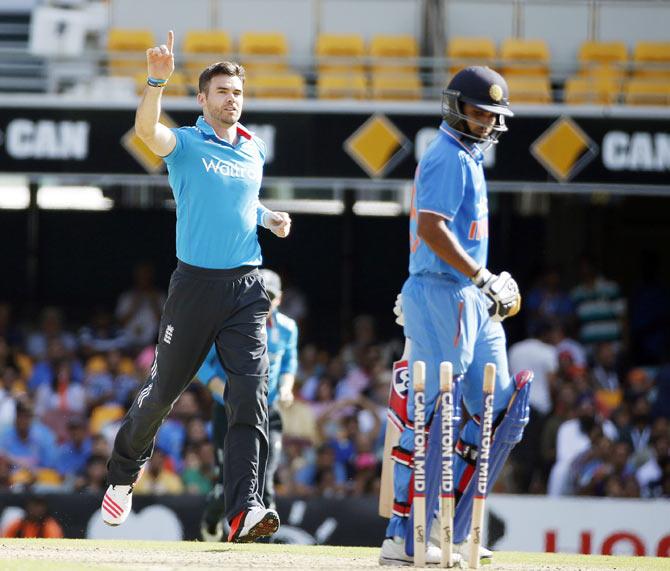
{"type": "Point", "coordinates": [127, 51]}
{"type": "Point", "coordinates": [395, 86]}
{"type": "Point", "coordinates": [198, 44]}
{"type": "Point", "coordinates": [535, 90]}
{"type": "Point", "coordinates": [19, 70]}
{"type": "Point", "coordinates": [592, 90]}
{"type": "Point", "coordinates": [651, 59]}
{"type": "Point", "coordinates": [393, 54]}
{"type": "Point", "coordinates": [278, 85]}
{"type": "Point", "coordinates": [263, 52]}
{"type": "Point", "coordinates": [340, 51]}
{"type": "Point", "coordinates": [470, 51]}
{"type": "Point", "coordinates": [342, 85]}
{"type": "Point", "coordinates": [607, 59]}
{"type": "Point", "coordinates": [524, 57]}
{"type": "Point", "coordinates": [647, 92]}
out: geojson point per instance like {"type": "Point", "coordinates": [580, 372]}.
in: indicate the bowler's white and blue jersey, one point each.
{"type": "Point", "coordinates": [450, 182]}
{"type": "Point", "coordinates": [215, 185]}
{"type": "Point", "coordinates": [282, 352]}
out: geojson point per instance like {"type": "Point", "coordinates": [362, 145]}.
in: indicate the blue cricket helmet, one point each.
{"type": "Point", "coordinates": [482, 87]}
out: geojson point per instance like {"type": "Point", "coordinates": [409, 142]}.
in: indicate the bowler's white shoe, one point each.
{"type": "Point", "coordinates": [393, 553]}
{"type": "Point", "coordinates": [116, 504]}
{"type": "Point", "coordinates": [252, 524]}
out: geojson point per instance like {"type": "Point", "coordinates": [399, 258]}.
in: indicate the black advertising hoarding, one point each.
{"type": "Point", "coordinates": [313, 140]}
{"type": "Point", "coordinates": [345, 521]}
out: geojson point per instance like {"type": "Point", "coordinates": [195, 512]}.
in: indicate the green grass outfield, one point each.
{"type": "Point", "coordinates": [79, 554]}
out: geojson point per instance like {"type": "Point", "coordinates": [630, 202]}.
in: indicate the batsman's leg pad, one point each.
{"type": "Point", "coordinates": [397, 524]}
{"type": "Point", "coordinates": [507, 434]}
{"type": "Point", "coordinates": [434, 464]}
{"type": "Point", "coordinates": [402, 480]}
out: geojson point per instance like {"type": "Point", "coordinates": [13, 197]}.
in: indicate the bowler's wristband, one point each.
{"type": "Point", "coordinates": [261, 215]}
{"type": "Point", "coordinates": [156, 82]}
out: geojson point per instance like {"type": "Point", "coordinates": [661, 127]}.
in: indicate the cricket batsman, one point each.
{"type": "Point", "coordinates": [453, 305]}
{"type": "Point", "coordinates": [282, 335]}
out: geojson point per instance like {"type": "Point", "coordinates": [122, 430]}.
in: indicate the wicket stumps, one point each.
{"type": "Point", "coordinates": [447, 451]}
{"type": "Point", "coordinates": [419, 501]}
{"type": "Point", "coordinates": [482, 473]}
{"type": "Point", "coordinates": [447, 501]}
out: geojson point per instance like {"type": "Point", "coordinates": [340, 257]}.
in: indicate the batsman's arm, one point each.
{"type": "Point", "coordinates": [433, 230]}
{"type": "Point", "coordinates": [502, 289]}
{"type": "Point", "coordinates": [160, 65]}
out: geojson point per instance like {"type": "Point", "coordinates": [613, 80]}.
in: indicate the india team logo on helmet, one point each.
{"type": "Point", "coordinates": [483, 88]}
{"type": "Point", "coordinates": [496, 92]}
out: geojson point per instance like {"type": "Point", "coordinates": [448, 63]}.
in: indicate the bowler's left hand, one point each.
{"type": "Point", "coordinates": [279, 223]}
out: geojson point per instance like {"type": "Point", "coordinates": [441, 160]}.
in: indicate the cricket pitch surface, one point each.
{"type": "Point", "coordinates": [80, 554]}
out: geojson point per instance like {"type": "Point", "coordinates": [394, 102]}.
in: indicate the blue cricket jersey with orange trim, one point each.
{"type": "Point", "coordinates": [449, 182]}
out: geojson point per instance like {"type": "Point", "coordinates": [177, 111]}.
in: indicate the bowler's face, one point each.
{"type": "Point", "coordinates": [224, 99]}
{"type": "Point", "coordinates": [480, 122]}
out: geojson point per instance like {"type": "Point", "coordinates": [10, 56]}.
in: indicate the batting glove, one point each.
{"type": "Point", "coordinates": [397, 309]}
{"type": "Point", "coordinates": [502, 290]}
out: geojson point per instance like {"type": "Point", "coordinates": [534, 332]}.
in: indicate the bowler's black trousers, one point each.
{"type": "Point", "coordinates": [203, 306]}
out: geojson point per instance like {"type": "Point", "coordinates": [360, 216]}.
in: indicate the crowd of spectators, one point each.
{"type": "Point", "coordinates": [599, 418]}
{"type": "Point", "coordinates": [600, 414]}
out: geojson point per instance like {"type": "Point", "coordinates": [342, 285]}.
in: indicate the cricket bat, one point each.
{"type": "Point", "coordinates": [396, 417]}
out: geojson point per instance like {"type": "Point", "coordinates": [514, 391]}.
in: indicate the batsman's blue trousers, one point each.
{"type": "Point", "coordinates": [448, 321]}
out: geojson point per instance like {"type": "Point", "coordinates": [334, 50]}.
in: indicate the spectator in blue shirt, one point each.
{"type": "Point", "coordinates": [74, 453]}
{"type": "Point", "coordinates": [28, 443]}
{"type": "Point", "coordinates": [45, 370]}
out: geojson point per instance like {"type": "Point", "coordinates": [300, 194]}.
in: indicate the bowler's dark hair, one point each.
{"type": "Point", "coordinates": [229, 68]}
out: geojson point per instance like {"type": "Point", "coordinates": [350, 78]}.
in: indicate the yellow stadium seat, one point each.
{"type": "Point", "coordinates": [25, 365]}
{"type": "Point", "coordinates": [263, 51]}
{"type": "Point", "coordinates": [104, 414]}
{"type": "Point", "coordinates": [176, 87]}
{"type": "Point", "coordinates": [652, 59]}
{"type": "Point", "coordinates": [524, 57]}
{"type": "Point", "coordinates": [204, 47]}
{"type": "Point", "coordinates": [22, 476]}
{"type": "Point", "coordinates": [340, 52]}
{"type": "Point", "coordinates": [529, 89]}
{"type": "Point", "coordinates": [135, 42]}
{"type": "Point", "coordinates": [600, 90]}
{"type": "Point", "coordinates": [608, 400]}
{"type": "Point", "coordinates": [395, 86]}
{"type": "Point", "coordinates": [48, 477]}
{"type": "Point", "coordinates": [98, 364]}
{"type": "Point", "coordinates": [394, 53]}
{"type": "Point", "coordinates": [277, 85]}
{"type": "Point", "coordinates": [470, 51]}
{"type": "Point", "coordinates": [603, 59]}
{"type": "Point", "coordinates": [647, 92]}
{"type": "Point", "coordinates": [592, 52]}
{"type": "Point", "coordinates": [127, 365]}
{"type": "Point", "coordinates": [342, 85]}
